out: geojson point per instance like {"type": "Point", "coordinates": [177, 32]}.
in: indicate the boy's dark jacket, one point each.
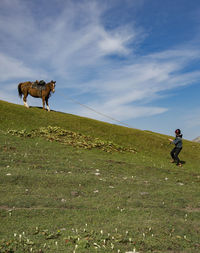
{"type": "Point", "coordinates": [178, 141]}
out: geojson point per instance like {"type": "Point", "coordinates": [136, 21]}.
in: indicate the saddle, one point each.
{"type": "Point", "coordinates": [39, 85]}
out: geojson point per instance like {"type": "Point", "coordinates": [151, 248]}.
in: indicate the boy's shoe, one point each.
{"type": "Point", "coordinates": [179, 164]}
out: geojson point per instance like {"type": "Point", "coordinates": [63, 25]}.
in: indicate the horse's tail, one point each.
{"type": "Point", "coordinates": [20, 90]}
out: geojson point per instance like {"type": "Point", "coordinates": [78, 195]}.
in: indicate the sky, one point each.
{"type": "Point", "coordinates": [135, 61]}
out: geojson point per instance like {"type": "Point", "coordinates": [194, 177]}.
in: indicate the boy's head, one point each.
{"type": "Point", "coordinates": [178, 132]}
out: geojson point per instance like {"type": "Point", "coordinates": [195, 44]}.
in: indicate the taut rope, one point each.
{"type": "Point", "coordinates": [91, 109]}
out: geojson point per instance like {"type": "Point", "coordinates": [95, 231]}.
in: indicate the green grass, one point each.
{"type": "Point", "coordinates": [50, 191]}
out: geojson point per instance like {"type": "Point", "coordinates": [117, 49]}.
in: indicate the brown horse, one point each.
{"type": "Point", "coordinates": [36, 91]}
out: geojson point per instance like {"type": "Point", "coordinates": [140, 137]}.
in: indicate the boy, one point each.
{"type": "Point", "coordinates": [178, 147]}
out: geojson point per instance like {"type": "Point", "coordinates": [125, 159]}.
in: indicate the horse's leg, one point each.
{"type": "Point", "coordinates": [43, 102]}
{"type": "Point", "coordinates": [46, 99]}
{"type": "Point", "coordinates": [24, 99]}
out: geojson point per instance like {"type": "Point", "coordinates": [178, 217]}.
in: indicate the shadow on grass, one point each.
{"type": "Point", "coordinates": [183, 162]}
{"type": "Point", "coordinates": [41, 108]}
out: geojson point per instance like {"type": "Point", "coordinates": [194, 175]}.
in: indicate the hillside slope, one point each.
{"type": "Point", "coordinates": [55, 197]}
{"type": "Point", "coordinates": [18, 117]}
{"type": "Point", "coordinates": [197, 139]}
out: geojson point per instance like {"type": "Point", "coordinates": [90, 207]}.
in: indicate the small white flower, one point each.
{"type": "Point", "coordinates": [96, 245]}
{"type": "Point", "coordinates": [134, 251]}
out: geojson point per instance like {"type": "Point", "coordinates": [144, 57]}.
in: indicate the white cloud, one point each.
{"type": "Point", "coordinates": [115, 42]}
{"type": "Point", "coordinates": [143, 80]}
{"type": "Point", "coordinates": [12, 68]}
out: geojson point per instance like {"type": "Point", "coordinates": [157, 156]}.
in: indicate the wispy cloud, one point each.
{"type": "Point", "coordinates": [99, 63]}
{"type": "Point", "coordinates": [12, 68]}
{"type": "Point", "coordinates": [120, 88]}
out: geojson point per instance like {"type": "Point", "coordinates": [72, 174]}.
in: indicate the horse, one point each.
{"type": "Point", "coordinates": [36, 91]}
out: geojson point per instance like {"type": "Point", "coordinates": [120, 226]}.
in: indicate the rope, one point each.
{"type": "Point", "coordinates": [93, 110]}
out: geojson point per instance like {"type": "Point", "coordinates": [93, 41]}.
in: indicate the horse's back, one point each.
{"type": "Point", "coordinates": [25, 83]}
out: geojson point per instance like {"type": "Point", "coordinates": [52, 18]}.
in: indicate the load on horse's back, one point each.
{"type": "Point", "coordinates": [37, 89]}
{"type": "Point", "coordinates": [39, 84]}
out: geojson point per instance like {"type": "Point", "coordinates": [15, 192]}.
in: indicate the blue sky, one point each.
{"type": "Point", "coordinates": [134, 60]}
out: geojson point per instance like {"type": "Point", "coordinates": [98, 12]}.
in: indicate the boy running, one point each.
{"type": "Point", "coordinates": [178, 147]}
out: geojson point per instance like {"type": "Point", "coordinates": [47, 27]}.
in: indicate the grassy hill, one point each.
{"type": "Point", "coordinates": [18, 117]}
{"type": "Point", "coordinates": [58, 197]}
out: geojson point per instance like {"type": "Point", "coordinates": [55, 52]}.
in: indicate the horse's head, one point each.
{"type": "Point", "coordinates": [52, 85]}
